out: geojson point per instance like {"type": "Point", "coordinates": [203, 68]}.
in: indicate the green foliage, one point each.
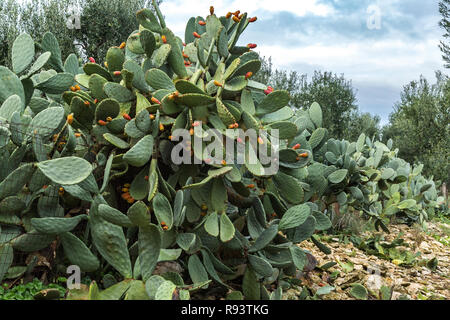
{"type": "Point", "coordinates": [28, 291]}
{"type": "Point", "coordinates": [444, 10]}
{"type": "Point", "coordinates": [419, 126]}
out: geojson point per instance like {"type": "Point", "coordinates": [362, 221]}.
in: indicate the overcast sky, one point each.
{"type": "Point", "coordinates": [380, 56]}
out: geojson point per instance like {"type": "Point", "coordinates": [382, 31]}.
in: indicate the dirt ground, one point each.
{"type": "Point", "coordinates": [415, 281]}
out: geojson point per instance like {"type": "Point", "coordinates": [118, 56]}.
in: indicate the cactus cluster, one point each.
{"type": "Point", "coordinates": [99, 136]}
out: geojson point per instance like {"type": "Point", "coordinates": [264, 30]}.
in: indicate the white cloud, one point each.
{"type": "Point", "coordinates": [177, 12]}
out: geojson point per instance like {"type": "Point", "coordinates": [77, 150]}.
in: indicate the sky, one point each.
{"type": "Point", "coordinates": [380, 45]}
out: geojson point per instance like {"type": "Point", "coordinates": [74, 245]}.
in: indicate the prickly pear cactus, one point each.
{"type": "Point", "coordinates": [93, 154]}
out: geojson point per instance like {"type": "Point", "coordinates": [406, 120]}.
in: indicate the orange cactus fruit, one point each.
{"type": "Point", "coordinates": [297, 146]}
{"type": "Point", "coordinates": [101, 122]}
{"type": "Point", "coordinates": [185, 55]}
{"type": "Point", "coordinates": [77, 135]}
{"type": "Point", "coordinates": [117, 73]}
{"type": "Point", "coordinates": [122, 45]}
{"type": "Point", "coordinates": [196, 123]}
{"type": "Point", "coordinates": [106, 64]}
{"type": "Point", "coordinates": [126, 116]}
{"type": "Point", "coordinates": [146, 178]}
{"type": "Point", "coordinates": [251, 186]}
{"type": "Point", "coordinates": [252, 19]}
{"type": "Point", "coordinates": [91, 59]}
{"type": "Point", "coordinates": [236, 19]}
{"type": "Point", "coordinates": [260, 140]}
{"type": "Point", "coordinates": [170, 138]}
{"type": "Point", "coordinates": [45, 186]}
{"type": "Point", "coordinates": [155, 101]}
{"type": "Point", "coordinates": [164, 39]}
{"type": "Point", "coordinates": [77, 87]}
{"type": "Point", "coordinates": [202, 23]}
{"type": "Point", "coordinates": [248, 75]}
{"type": "Point", "coordinates": [237, 13]}
{"type": "Point", "coordinates": [87, 103]}
{"type": "Point", "coordinates": [224, 163]}
{"type": "Point", "coordinates": [228, 16]}
{"type": "Point", "coordinates": [211, 10]}
{"type": "Point", "coordinates": [204, 207]}
{"type": "Point", "coordinates": [252, 45]}
{"type": "Point", "coordinates": [125, 190]}
{"type": "Point", "coordinates": [96, 101]}
{"type": "Point", "coordinates": [108, 119]}
{"type": "Point", "coordinates": [217, 83]}
{"type": "Point", "coordinates": [70, 118]}
{"type": "Point", "coordinates": [73, 89]}
{"type": "Point", "coordinates": [231, 126]}
{"type": "Point", "coordinates": [161, 127]}
{"type": "Point", "coordinates": [197, 35]}
{"type": "Point", "coordinates": [131, 201]}
{"type": "Point", "coordinates": [191, 131]}
{"type": "Point", "coordinates": [303, 155]}
{"type": "Point", "coordinates": [269, 90]}
{"type": "Point", "coordinates": [152, 117]}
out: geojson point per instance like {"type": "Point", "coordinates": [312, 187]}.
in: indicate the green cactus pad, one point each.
{"type": "Point", "coordinates": [139, 214]}
{"type": "Point", "coordinates": [115, 59]}
{"type": "Point", "coordinates": [175, 59]}
{"type": "Point", "coordinates": [264, 239]}
{"type": "Point", "coordinates": [260, 265]}
{"type": "Point", "coordinates": [15, 181]}
{"type": "Point", "coordinates": [114, 216]}
{"type": "Point", "coordinates": [140, 153]}
{"type": "Point", "coordinates": [338, 176]}
{"type": "Point", "coordinates": [78, 253]}
{"type": "Point", "coordinates": [96, 83]}
{"type": "Point", "coordinates": [118, 92]}
{"type": "Point", "coordinates": [315, 113]}
{"type": "Point", "coordinates": [52, 225]}
{"type": "Point", "coordinates": [163, 210]}
{"type": "Point", "coordinates": [40, 62]}
{"type": "Point", "coordinates": [303, 231]}
{"type": "Point", "coordinates": [11, 105]}
{"type": "Point", "coordinates": [273, 102]}
{"type": "Point", "coordinates": [93, 68]}
{"type": "Point", "coordinates": [7, 254]}
{"type": "Point", "coordinates": [195, 99]}
{"type": "Point", "coordinates": [149, 249]}
{"type": "Point", "coordinates": [107, 108]}
{"type": "Point", "coordinates": [110, 241]}
{"type": "Point", "coordinates": [294, 217]}
{"type": "Point", "coordinates": [148, 20]}
{"type": "Point", "coordinates": [32, 241]}
{"type": "Point", "coordinates": [56, 84]}
{"type": "Point", "coordinates": [184, 86]}
{"type": "Point", "coordinates": [250, 285]}
{"type": "Point", "coordinates": [158, 79]}
{"type": "Point", "coordinates": [50, 43]}
{"type": "Point", "coordinates": [66, 171]}
{"type": "Point", "coordinates": [10, 85]}
{"type": "Point", "coordinates": [22, 52]}
{"type": "Point", "coordinates": [71, 65]}
{"type": "Point", "coordinates": [212, 224]}
{"type": "Point", "coordinates": [318, 137]}
{"type": "Point", "coordinates": [161, 55]}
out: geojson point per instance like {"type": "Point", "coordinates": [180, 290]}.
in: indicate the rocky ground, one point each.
{"type": "Point", "coordinates": [424, 273]}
